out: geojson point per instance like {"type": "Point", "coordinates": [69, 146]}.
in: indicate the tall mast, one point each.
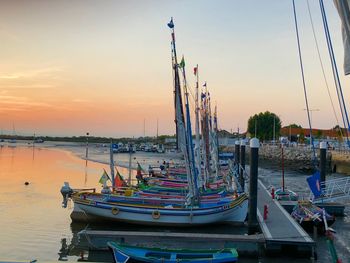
{"type": "Point", "coordinates": [193, 182]}
{"type": "Point", "coordinates": [176, 77]}
{"type": "Point", "coordinates": [111, 164]}
{"type": "Point", "coordinates": [182, 139]}
{"type": "Point", "coordinates": [198, 149]}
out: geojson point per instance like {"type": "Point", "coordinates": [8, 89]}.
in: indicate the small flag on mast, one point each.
{"type": "Point", "coordinates": [182, 63]}
{"type": "Point", "coordinates": [205, 84]}
{"type": "Point", "coordinates": [195, 69]}
{"type": "Point", "coordinates": [104, 178]}
{"type": "Point", "coordinates": [119, 180]}
{"type": "Point", "coordinates": [171, 23]}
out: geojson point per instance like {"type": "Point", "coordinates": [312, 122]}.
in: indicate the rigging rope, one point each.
{"type": "Point", "coordinates": [304, 85]}
{"type": "Point", "coordinates": [335, 72]}
{"type": "Point", "coordinates": [322, 67]}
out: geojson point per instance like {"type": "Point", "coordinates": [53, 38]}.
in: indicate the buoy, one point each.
{"type": "Point", "coordinates": [265, 212]}
{"type": "Point", "coordinates": [156, 214]}
{"type": "Point", "coordinates": [26, 183]}
{"type": "Point", "coordinates": [115, 210]}
{"type": "Point", "coordinates": [273, 193]}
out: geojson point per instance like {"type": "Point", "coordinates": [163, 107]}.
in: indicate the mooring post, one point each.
{"type": "Point", "coordinates": [323, 160]}
{"type": "Point", "coordinates": [242, 161]}
{"type": "Point", "coordinates": [253, 186]}
{"type": "Point", "coordinates": [237, 154]}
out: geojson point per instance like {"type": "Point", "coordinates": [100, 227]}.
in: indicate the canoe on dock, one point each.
{"type": "Point", "coordinates": [123, 253]}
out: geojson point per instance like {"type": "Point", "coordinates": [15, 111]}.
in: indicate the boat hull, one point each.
{"type": "Point", "coordinates": [122, 254]}
{"type": "Point", "coordinates": [232, 212]}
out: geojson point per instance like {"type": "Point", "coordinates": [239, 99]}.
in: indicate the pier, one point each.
{"type": "Point", "coordinates": [281, 233]}
{"type": "Point", "coordinates": [246, 245]}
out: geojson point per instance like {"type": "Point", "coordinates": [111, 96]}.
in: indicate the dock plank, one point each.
{"type": "Point", "coordinates": [279, 225]}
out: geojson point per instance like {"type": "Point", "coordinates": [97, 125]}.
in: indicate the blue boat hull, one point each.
{"type": "Point", "coordinates": [123, 254]}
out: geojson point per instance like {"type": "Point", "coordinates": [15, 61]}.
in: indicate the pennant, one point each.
{"type": "Point", "coordinates": [205, 84]}
{"type": "Point", "coordinates": [182, 63]}
{"type": "Point", "coordinates": [195, 69]}
{"type": "Point", "coordinates": [314, 184]}
{"type": "Point", "coordinates": [104, 178]}
{"type": "Point", "coordinates": [203, 95]}
{"type": "Point", "coordinates": [119, 180]}
{"type": "Point", "coordinates": [171, 23]}
{"type": "Point", "coordinates": [139, 168]}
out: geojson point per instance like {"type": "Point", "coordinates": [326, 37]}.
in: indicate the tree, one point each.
{"type": "Point", "coordinates": [265, 124]}
{"type": "Point", "coordinates": [293, 125]}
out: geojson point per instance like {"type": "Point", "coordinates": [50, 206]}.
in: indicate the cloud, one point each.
{"type": "Point", "coordinates": [41, 72]}
{"type": "Point", "coordinates": [20, 103]}
{"type": "Point", "coordinates": [28, 86]}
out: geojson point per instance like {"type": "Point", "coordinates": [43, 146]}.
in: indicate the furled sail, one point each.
{"type": "Point", "coordinates": [344, 13]}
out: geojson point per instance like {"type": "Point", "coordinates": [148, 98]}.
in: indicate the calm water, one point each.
{"type": "Point", "coordinates": [34, 226]}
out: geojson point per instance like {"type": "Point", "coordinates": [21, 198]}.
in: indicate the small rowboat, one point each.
{"type": "Point", "coordinates": [123, 253]}
{"type": "Point", "coordinates": [309, 215]}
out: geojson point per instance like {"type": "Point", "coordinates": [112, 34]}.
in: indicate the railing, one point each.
{"type": "Point", "coordinates": [334, 190]}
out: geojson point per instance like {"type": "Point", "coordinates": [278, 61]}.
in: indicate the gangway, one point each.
{"type": "Point", "coordinates": [335, 189]}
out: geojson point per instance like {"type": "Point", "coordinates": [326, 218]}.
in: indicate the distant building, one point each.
{"type": "Point", "coordinates": [296, 132]}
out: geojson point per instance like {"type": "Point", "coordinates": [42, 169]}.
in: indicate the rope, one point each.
{"type": "Point", "coordinates": [322, 67]}
{"type": "Point", "coordinates": [335, 72]}
{"type": "Point", "coordinates": [304, 85]}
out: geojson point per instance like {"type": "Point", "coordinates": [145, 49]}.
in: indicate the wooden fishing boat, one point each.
{"type": "Point", "coordinates": [309, 216]}
{"type": "Point", "coordinates": [125, 253]}
{"type": "Point", "coordinates": [171, 214]}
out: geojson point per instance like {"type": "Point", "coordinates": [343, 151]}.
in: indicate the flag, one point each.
{"type": "Point", "coordinates": [203, 95]}
{"type": "Point", "coordinates": [195, 69]}
{"type": "Point", "coordinates": [314, 184]}
{"type": "Point", "coordinates": [104, 178]}
{"type": "Point", "coordinates": [171, 23]}
{"type": "Point", "coordinates": [119, 180]}
{"type": "Point", "coordinates": [205, 84]}
{"type": "Point", "coordinates": [139, 168]}
{"type": "Point", "coordinates": [182, 63]}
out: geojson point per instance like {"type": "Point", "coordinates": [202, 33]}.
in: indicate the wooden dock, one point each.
{"type": "Point", "coordinates": [282, 233]}
{"type": "Point", "coordinates": [246, 245]}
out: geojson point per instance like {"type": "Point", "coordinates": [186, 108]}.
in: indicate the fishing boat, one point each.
{"type": "Point", "coordinates": [123, 253]}
{"type": "Point", "coordinates": [161, 213]}
{"type": "Point", "coordinates": [309, 216]}
{"type": "Point", "coordinates": [283, 194]}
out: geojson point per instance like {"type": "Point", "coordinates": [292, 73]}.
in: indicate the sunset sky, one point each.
{"type": "Point", "coordinates": [71, 67]}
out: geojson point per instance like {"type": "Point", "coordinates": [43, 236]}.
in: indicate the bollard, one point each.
{"type": "Point", "coordinates": [253, 186]}
{"type": "Point", "coordinates": [273, 193]}
{"type": "Point", "coordinates": [242, 161]}
{"type": "Point", "coordinates": [323, 160]}
{"type": "Point", "coordinates": [265, 211]}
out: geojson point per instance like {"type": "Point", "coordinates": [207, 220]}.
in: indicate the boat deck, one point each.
{"type": "Point", "coordinates": [280, 230]}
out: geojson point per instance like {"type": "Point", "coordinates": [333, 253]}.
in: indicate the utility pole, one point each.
{"type": "Point", "coordinates": [274, 129]}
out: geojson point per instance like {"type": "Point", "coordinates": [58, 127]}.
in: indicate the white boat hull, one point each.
{"type": "Point", "coordinates": [233, 212]}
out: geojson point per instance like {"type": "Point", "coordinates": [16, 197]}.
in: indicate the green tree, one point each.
{"type": "Point", "coordinates": [265, 123]}
{"type": "Point", "coordinates": [293, 125]}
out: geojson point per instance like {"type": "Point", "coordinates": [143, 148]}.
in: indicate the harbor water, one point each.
{"type": "Point", "coordinates": [33, 225]}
